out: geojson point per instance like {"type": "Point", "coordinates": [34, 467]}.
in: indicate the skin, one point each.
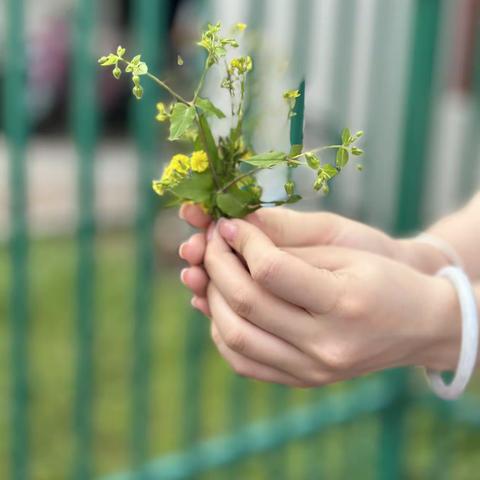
{"type": "Point", "coordinates": [311, 306]}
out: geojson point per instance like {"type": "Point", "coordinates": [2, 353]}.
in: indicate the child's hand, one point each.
{"type": "Point", "coordinates": [300, 234]}
{"type": "Point", "coordinates": [342, 314]}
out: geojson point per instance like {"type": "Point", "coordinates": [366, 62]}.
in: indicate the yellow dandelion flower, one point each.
{"type": "Point", "coordinates": [199, 161]}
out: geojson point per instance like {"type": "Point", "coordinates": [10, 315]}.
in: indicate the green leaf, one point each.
{"type": "Point", "coordinates": [342, 157]}
{"type": "Point", "coordinates": [181, 120]}
{"type": "Point", "coordinates": [293, 199]}
{"type": "Point", "coordinates": [329, 171]}
{"type": "Point", "coordinates": [312, 160]}
{"type": "Point", "coordinates": [208, 142]}
{"type": "Point", "coordinates": [110, 59]}
{"type": "Point", "coordinates": [346, 136]}
{"type": "Point", "coordinates": [197, 187]}
{"type": "Point", "coordinates": [236, 203]}
{"type": "Point", "coordinates": [208, 107]}
{"type": "Point", "coordinates": [266, 160]}
{"type": "Point", "coordinates": [295, 150]}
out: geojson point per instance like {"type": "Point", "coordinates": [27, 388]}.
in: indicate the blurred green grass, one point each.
{"type": "Point", "coordinates": [348, 451]}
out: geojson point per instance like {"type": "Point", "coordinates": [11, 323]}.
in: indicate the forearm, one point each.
{"type": "Point", "coordinates": [461, 230]}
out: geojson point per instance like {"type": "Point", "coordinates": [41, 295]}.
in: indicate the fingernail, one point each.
{"type": "Point", "coordinates": [181, 212]}
{"type": "Point", "coordinates": [227, 229]}
{"type": "Point", "coordinates": [193, 302]}
{"type": "Point", "coordinates": [183, 274]}
{"type": "Point", "coordinates": [210, 230]}
{"type": "Point", "coordinates": [181, 253]}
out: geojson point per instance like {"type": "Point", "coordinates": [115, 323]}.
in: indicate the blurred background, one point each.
{"type": "Point", "coordinates": [105, 371]}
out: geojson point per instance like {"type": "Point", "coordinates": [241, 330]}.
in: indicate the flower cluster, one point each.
{"type": "Point", "coordinates": [136, 67]}
{"type": "Point", "coordinates": [220, 173]}
{"type": "Point", "coordinates": [179, 167]}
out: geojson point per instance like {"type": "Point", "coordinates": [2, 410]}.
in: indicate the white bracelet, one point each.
{"type": "Point", "coordinates": [442, 246]}
{"type": "Point", "coordinates": [469, 344]}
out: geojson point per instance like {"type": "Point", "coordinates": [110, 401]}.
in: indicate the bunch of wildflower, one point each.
{"type": "Point", "coordinates": [220, 173]}
{"type": "Point", "coordinates": [178, 168]}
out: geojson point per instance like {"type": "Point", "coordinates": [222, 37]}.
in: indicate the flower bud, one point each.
{"type": "Point", "coordinates": [137, 91]}
{"type": "Point", "coordinates": [289, 188]}
{"type": "Point", "coordinates": [117, 72]}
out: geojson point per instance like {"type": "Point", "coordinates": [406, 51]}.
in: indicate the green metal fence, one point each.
{"type": "Point", "coordinates": [375, 427]}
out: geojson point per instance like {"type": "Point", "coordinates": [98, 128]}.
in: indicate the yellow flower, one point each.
{"type": "Point", "coordinates": [241, 64]}
{"type": "Point", "coordinates": [158, 187]}
{"type": "Point", "coordinates": [291, 94]}
{"type": "Point", "coordinates": [180, 163]}
{"type": "Point", "coordinates": [240, 26]}
{"type": "Point", "coordinates": [162, 114]}
{"type": "Point", "coordinates": [199, 161]}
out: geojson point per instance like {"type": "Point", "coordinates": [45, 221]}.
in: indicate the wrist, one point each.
{"type": "Point", "coordinates": [441, 352]}
{"type": "Point", "coordinates": [420, 256]}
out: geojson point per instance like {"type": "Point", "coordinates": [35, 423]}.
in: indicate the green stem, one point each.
{"type": "Point", "coordinates": [204, 141]}
{"type": "Point", "coordinates": [320, 149]}
{"type": "Point", "coordinates": [240, 177]}
{"type": "Point", "coordinates": [201, 81]}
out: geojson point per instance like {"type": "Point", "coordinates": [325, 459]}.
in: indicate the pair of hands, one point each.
{"type": "Point", "coordinates": [306, 299]}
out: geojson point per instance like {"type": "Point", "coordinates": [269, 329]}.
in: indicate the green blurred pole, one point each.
{"type": "Point", "coordinates": [412, 180]}
{"type": "Point", "coordinates": [418, 115]}
{"type": "Point", "coordinates": [342, 79]}
{"type": "Point", "coordinates": [196, 327]}
{"type": "Point", "coordinates": [16, 128]}
{"type": "Point", "coordinates": [149, 18]}
{"type": "Point", "coordinates": [470, 154]}
{"type": "Point", "coordinates": [83, 116]}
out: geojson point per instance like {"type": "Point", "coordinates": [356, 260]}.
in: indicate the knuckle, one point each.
{"type": "Point", "coordinates": [241, 302]}
{"type": "Point", "coordinates": [336, 358]}
{"type": "Point", "coordinates": [267, 268]}
{"type": "Point", "coordinates": [354, 307]}
{"type": "Point", "coordinates": [235, 340]}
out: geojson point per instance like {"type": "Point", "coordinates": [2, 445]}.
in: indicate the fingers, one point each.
{"type": "Point", "coordinates": [253, 342]}
{"type": "Point", "coordinates": [196, 279]}
{"type": "Point", "coordinates": [329, 257]}
{"type": "Point", "coordinates": [249, 368]}
{"type": "Point", "coordinates": [286, 276]}
{"type": "Point", "coordinates": [194, 215]}
{"type": "Point", "coordinates": [193, 250]}
{"type": "Point", "coordinates": [249, 300]}
{"type": "Point", "coordinates": [290, 228]}
{"type": "Point", "coordinates": [201, 303]}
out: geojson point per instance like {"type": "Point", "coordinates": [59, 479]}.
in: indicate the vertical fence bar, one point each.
{"type": "Point", "coordinates": [410, 194]}
{"type": "Point", "coordinates": [84, 132]}
{"type": "Point", "coordinates": [15, 121]}
{"type": "Point", "coordinates": [470, 153]}
{"type": "Point", "coordinates": [418, 111]}
{"type": "Point", "coordinates": [196, 330]}
{"type": "Point", "coordinates": [149, 18]}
